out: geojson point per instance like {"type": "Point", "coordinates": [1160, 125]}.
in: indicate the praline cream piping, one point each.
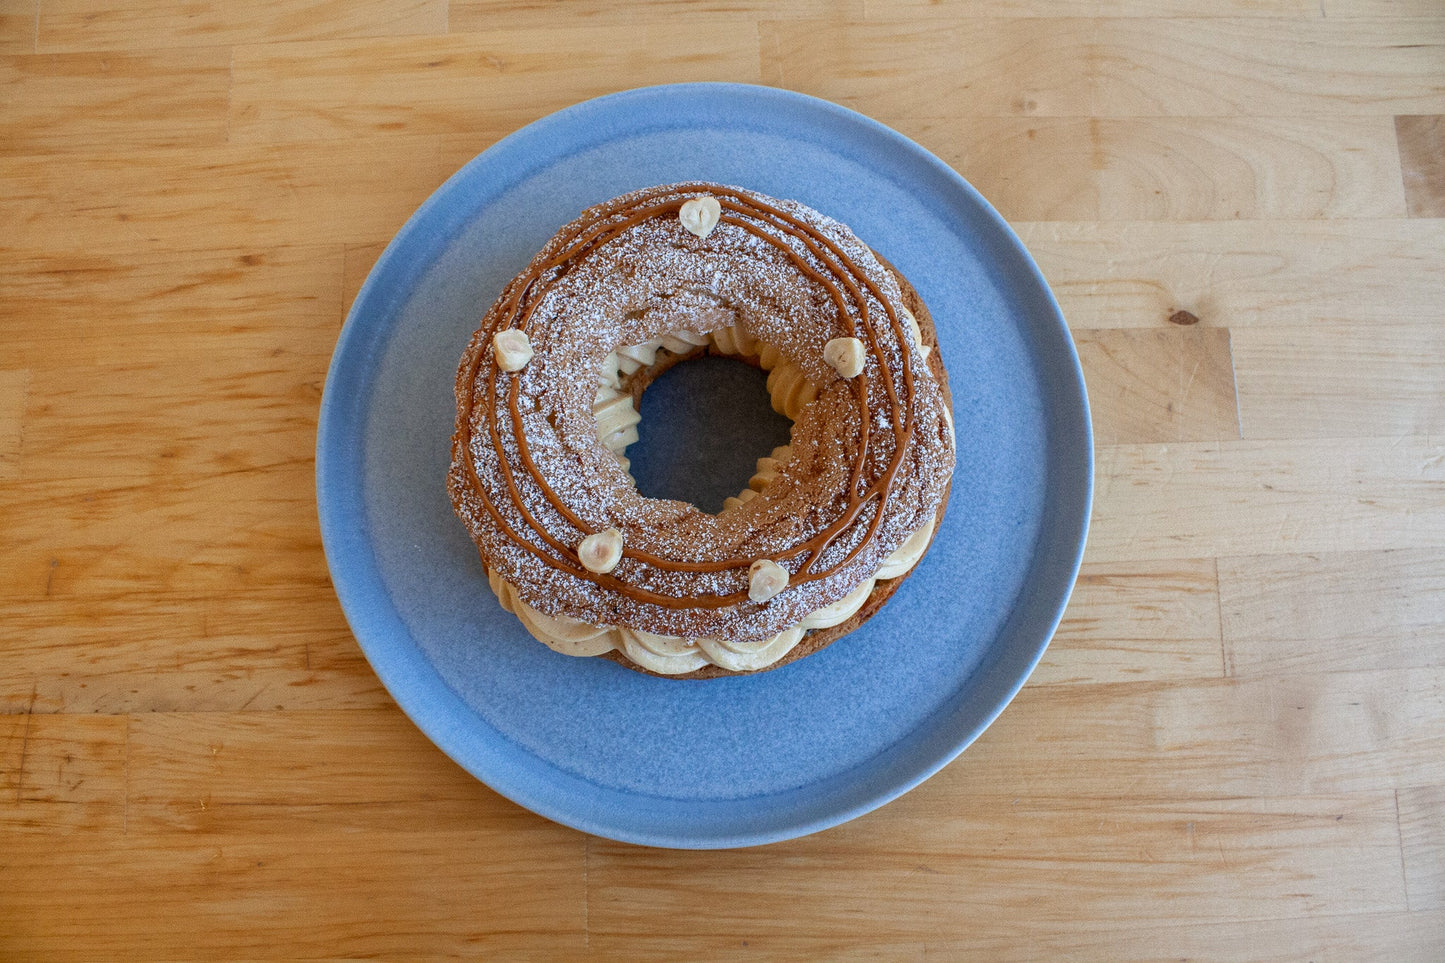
{"type": "Point", "coordinates": [669, 655]}
{"type": "Point", "coordinates": [873, 451]}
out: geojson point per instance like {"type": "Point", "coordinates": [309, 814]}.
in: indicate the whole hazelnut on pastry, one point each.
{"type": "Point", "coordinates": [600, 552]}
{"type": "Point", "coordinates": [766, 578]}
{"type": "Point", "coordinates": [512, 349]}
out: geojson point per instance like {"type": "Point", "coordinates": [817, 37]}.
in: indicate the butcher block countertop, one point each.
{"type": "Point", "coordinates": [1234, 747]}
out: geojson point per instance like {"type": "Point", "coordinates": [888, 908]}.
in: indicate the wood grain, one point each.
{"type": "Point", "coordinates": [1175, 169]}
{"type": "Point", "coordinates": [137, 778]}
{"type": "Point", "coordinates": [73, 776]}
{"type": "Point", "coordinates": [148, 650]}
{"type": "Point", "coordinates": [1401, 9]}
{"type": "Point", "coordinates": [69, 102]}
{"type": "Point", "coordinates": [908, 70]}
{"type": "Point", "coordinates": [1231, 750]}
{"type": "Point", "coordinates": [484, 81]}
{"type": "Point", "coordinates": [1337, 381]}
{"type": "Point", "coordinates": [216, 198]}
{"type": "Point", "coordinates": [58, 295]}
{"type": "Point", "coordinates": [1422, 835]}
{"type": "Point", "coordinates": [1216, 66]}
{"type": "Point", "coordinates": [14, 393]}
{"type": "Point", "coordinates": [944, 10]}
{"type": "Point", "coordinates": [1228, 274]}
{"type": "Point", "coordinates": [229, 531]}
{"type": "Point", "coordinates": [17, 26]}
{"type": "Point", "coordinates": [1341, 611]}
{"type": "Point", "coordinates": [1139, 621]}
{"type": "Point", "coordinates": [1246, 738]}
{"type": "Point", "coordinates": [956, 9]}
{"type": "Point", "coordinates": [508, 889]}
{"type": "Point", "coordinates": [74, 432]}
{"type": "Point", "coordinates": [12, 755]}
{"type": "Point", "coordinates": [1206, 67]}
{"type": "Point", "coordinates": [1267, 498]}
{"type": "Point", "coordinates": [1172, 384]}
{"type": "Point", "coordinates": [1422, 145]}
{"type": "Point", "coordinates": [249, 304]}
{"type": "Point", "coordinates": [991, 859]}
{"type": "Point", "coordinates": [1348, 936]}
{"type": "Point", "coordinates": [470, 16]}
{"type": "Point", "coordinates": [151, 24]}
{"type": "Point", "coordinates": [234, 759]}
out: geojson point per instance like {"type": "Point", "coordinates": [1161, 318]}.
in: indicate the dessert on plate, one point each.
{"type": "Point", "coordinates": [547, 399]}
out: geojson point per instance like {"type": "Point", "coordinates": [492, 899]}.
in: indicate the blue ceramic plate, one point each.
{"type": "Point", "coordinates": [737, 761]}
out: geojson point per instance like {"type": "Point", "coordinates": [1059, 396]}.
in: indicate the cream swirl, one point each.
{"type": "Point", "coordinates": [670, 655]}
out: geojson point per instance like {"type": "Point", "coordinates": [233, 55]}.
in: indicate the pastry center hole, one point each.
{"type": "Point", "coordinates": [705, 423]}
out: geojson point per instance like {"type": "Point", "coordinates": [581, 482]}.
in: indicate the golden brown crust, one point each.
{"type": "Point", "coordinates": [529, 477]}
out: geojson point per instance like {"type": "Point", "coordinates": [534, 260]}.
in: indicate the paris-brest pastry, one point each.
{"type": "Point", "coordinates": [547, 398]}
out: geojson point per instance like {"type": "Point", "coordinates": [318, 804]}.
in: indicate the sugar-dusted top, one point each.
{"type": "Point", "coordinates": [872, 456]}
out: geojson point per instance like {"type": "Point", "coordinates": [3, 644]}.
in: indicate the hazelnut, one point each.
{"type": "Point", "coordinates": [766, 578]}
{"type": "Point", "coordinates": [511, 349]}
{"type": "Point", "coordinates": [700, 214]}
{"type": "Point", "coordinates": [845, 355]}
{"type": "Point", "coordinates": [601, 551]}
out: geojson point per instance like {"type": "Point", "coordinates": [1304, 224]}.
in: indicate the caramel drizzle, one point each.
{"type": "Point", "coordinates": [599, 231]}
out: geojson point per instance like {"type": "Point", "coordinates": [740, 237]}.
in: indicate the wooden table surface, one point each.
{"type": "Point", "coordinates": [1234, 747]}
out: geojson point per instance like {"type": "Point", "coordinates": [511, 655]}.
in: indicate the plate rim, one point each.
{"type": "Point", "coordinates": [406, 680]}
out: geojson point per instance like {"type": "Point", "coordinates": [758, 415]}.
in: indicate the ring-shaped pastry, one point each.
{"type": "Point", "coordinates": [546, 405]}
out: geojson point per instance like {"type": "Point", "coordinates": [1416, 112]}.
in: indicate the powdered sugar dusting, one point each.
{"type": "Point", "coordinates": [653, 278]}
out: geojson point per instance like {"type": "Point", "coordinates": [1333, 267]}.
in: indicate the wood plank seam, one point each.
{"type": "Point", "coordinates": [15, 384]}
{"type": "Point", "coordinates": [1404, 867]}
{"type": "Point", "coordinates": [125, 781]}
{"type": "Point", "coordinates": [1225, 670]}
{"type": "Point", "coordinates": [1400, 159]}
{"type": "Point", "coordinates": [25, 744]}
{"type": "Point", "coordinates": [20, 769]}
{"type": "Point", "coordinates": [1234, 385]}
